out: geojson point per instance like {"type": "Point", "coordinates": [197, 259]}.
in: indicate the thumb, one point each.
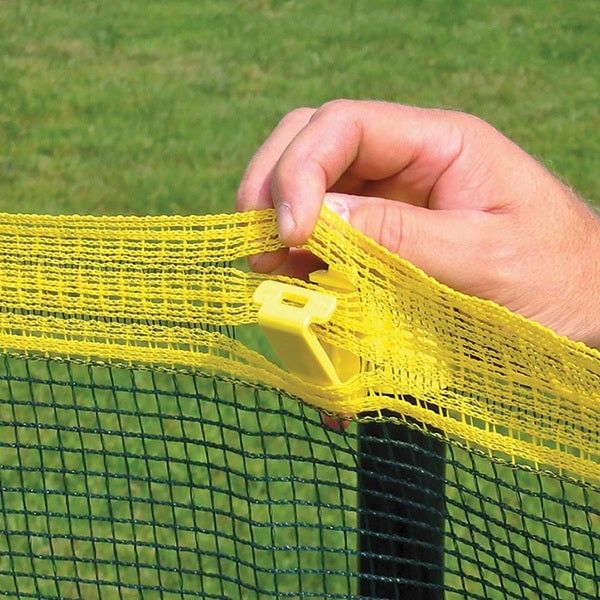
{"type": "Point", "coordinates": [450, 245]}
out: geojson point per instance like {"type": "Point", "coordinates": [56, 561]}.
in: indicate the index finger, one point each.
{"type": "Point", "coordinates": [254, 191]}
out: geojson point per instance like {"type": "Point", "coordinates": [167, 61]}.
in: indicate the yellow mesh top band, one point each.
{"type": "Point", "coordinates": [161, 291]}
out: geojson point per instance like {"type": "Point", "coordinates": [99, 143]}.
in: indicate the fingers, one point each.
{"type": "Point", "coordinates": [254, 192]}
{"type": "Point", "coordinates": [405, 149]}
{"type": "Point", "coordinates": [384, 149]}
{"type": "Point", "coordinates": [402, 161]}
{"type": "Point", "coordinates": [457, 247]}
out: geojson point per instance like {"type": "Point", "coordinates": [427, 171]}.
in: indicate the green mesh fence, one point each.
{"type": "Point", "coordinates": [120, 482]}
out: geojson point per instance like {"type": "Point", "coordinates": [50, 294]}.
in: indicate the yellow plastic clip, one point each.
{"type": "Point", "coordinates": [285, 315]}
{"type": "Point", "coordinates": [345, 362]}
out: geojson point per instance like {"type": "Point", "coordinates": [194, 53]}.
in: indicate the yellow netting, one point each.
{"type": "Point", "coordinates": [161, 290]}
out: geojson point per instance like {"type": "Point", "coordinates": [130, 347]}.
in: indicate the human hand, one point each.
{"type": "Point", "coordinates": [443, 189]}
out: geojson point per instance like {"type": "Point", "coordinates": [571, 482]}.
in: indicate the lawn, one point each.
{"type": "Point", "coordinates": [156, 107]}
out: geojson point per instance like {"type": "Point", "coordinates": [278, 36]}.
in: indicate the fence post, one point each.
{"type": "Point", "coordinates": [401, 512]}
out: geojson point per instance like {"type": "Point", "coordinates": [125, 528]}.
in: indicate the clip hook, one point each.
{"type": "Point", "coordinates": [286, 315]}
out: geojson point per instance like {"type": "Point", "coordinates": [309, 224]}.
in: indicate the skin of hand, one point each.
{"type": "Point", "coordinates": [442, 189]}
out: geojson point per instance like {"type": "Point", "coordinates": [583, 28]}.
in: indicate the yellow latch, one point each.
{"type": "Point", "coordinates": [286, 315]}
{"type": "Point", "coordinates": [288, 312]}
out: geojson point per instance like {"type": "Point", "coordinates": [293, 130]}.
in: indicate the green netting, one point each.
{"type": "Point", "coordinates": [123, 482]}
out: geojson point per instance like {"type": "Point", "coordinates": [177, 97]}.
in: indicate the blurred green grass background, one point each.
{"type": "Point", "coordinates": [156, 107]}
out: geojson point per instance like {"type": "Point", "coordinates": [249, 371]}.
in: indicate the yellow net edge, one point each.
{"type": "Point", "coordinates": [159, 291]}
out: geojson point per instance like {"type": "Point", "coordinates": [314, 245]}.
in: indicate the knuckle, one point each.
{"type": "Point", "coordinates": [337, 104]}
{"type": "Point", "coordinates": [338, 108]}
{"type": "Point", "coordinates": [341, 114]}
{"type": "Point", "coordinates": [473, 125]}
{"type": "Point", "coordinates": [299, 115]}
{"type": "Point", "coordinates": [382, 221]}
{"type": "Point", "coordinates": [391, 234]}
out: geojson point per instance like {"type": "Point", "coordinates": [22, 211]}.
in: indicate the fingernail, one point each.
{"type": "Point", "coordinates": [338, 206]}
{"type": "Point", "coordinates": [285, 222]}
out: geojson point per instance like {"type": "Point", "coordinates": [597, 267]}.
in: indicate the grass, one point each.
{"type": "Point", "coordinates": [156, 107]}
